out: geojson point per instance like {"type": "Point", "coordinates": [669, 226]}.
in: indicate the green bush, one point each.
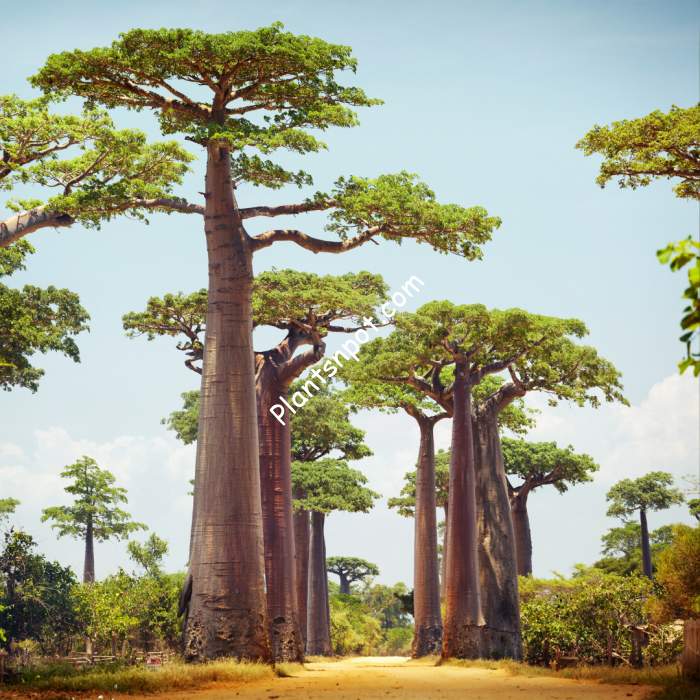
{"type": "Point", "coordinates": [353, 630]}
{"type": "Point", "coordinates": [577, 614]}
{"type": "Point", "coordinates": [398, 641]}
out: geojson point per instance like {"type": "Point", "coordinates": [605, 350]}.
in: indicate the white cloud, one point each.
{"type": "Point", "coordinates": [661, 434]}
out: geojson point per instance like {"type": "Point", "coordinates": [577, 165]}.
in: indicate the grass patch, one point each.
{"type": "Point", "coordinates": [323, 659]}
{"type": "Point", "coordinates": [667, 677]}
{"type": "Point", "coordinates": [124, 679]}
{"type": "Point", "coordinates": [289, 670]}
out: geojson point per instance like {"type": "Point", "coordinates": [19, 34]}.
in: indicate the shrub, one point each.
{"type": "Point", "coordinates": [576, 615]}
{"type": "Point", "coordinates": [353, 630]}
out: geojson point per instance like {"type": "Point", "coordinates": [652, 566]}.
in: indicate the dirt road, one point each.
{"type": "Point", "coordinates": [364, 678]}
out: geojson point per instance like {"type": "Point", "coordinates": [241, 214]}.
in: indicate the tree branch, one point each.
{"type": "Point", "coordinates": [284, 209]}
{"type": "Point", "coordinates": [315, 245]}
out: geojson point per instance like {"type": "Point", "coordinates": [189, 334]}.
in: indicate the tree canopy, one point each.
{"type": "Point", "coordinates": [351, 568]}
{"type": "Point", "coordinates": [538, 351]}
{"type": "Point", "coordinates": [331, 485]}
{"type": "Point", "coordinates": [264, 71]}
{"type": "Point", "coordinates": [95, 503]}
{"type": "Point", "coordinates": [543, 463]}
{"type": "Point", "coordinates": [7, 506]}
{"type": "Point", "coordinates": [117, 172]}
{"type": "Point", "coordinates": [34, 319]}
{"type": "Point", "coordinates": [638, 151]}
{"type": "Point", "coordinates": [149, 555]}
{"type": "Point", "coordinates": [324, 426]}
{"type": "Point", "coordinates": [650, 492]}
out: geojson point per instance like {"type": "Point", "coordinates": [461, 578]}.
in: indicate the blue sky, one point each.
{"type": "Point", "coordinates": [485, 101]}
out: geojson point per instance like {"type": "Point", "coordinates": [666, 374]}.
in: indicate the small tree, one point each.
{"type": "Point", "coordinates": [648, 493]}
{"type": "Point", "coordinates": [94, 514]}
{"type": "Point", "coordinates": [7, 506]}
{"type": "Point", "coordinates": [639, 151]}
{"type": "Point", "coordinates": [329, 485]}
{"type": "Point", "coordinates": [350, 570]}
{"type": "Point", "coordinates": [538, 464]}
{"type": "Point", "coordinates": [623, 551]}
{"type": "Point", "coordinates": [34, 319]}
{"type": "Point", "coordinates": [149, 555]}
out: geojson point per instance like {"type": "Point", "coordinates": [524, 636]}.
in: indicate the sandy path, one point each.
{"type": "Point", "coordinates": [364, 678]}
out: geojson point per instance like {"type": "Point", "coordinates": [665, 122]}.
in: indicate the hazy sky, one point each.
{"type": "Point", "coordinates": [485, 101]}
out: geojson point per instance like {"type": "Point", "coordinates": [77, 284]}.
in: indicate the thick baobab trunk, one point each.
{"type": "Point", "coordinates": [464, 623]}
{"type": "Point", "coordinates": [318, 640]}
{"type": "Point", "coordinates": [344, 584]}
{"type": "Point", "coordinates": [278, 521]}
{"type": "Point", "coordinates": [89, 566]}
{"type": "Point", "coordinates": [498, 572]}
{"type": "Point", "coordinates": [523, 536]}
{"type": "Point", "coordinates": [427, 638]}
{"type": "Point", "coordinates": [224, 598]}
{"type": "Point", "coordinates": [302, 537]}
{"type": "Point", "coordinates": [646, 551]}
{"type": "Point", "coordinates": [444, 555]}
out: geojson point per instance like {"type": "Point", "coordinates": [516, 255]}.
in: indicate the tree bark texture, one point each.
{"type": "Point", "coordinates": [302, 537]}
{"type": "Point", "coordinates": [464, 623]}
{"type": "Point", "coordinates": [224, 599]}
{"type": "Point", "coordinates": [89, 566]}
{"type": "Point", "coordinates": [646, 550]}
{"type": "Point", "coordinates": [278, 520]}
{"type": "Point", "coordinates": [344, 584]}
{"type": "Point", "coordinates": [523, 536]}
{"type": "Point", "coordinates": [318, 641]}
{"type": "Point", "coordinates": [427, 639]}
{"type": "Point", "coordinates": [444, 555]}
{"type": "Point", "coordinates": [498, 572]}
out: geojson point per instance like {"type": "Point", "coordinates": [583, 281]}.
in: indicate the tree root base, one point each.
{"type": "Point", "coordinates": [463, 641]}
{"type": "Point", "coordinates": [285, 635]}
{"type": "Point", "coordinates": [240, 634]}
{"type": "Point", "coordinates": [427, 641]}
{"type": "Point", "coordinates": [498, 644]}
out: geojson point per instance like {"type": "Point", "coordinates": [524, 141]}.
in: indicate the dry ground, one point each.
{"type": "Point", "coordinates": [382, 677]}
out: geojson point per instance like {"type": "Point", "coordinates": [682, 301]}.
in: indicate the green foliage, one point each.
{"type": "Point", "coordinates": [576, 615]}
{"type": "Point", "coordinates": [7, 506]}
{"type": "Point", "coordinates": [185, 423]}
{"type": "Point", "coordinates": [149, 555]}
{"type": "Point", "coordinates": [623, 548]}
{"type": "Point", "coordinates": [678, 255]}
{"type": "Point", "coordinates": [641, 150]}
{"type": "Point", "coordinates": [399, 641]}
{"type": "Point", "coordinates": [305, 301]}
{"type": "Point", "coordinates": [34, 319]}
{"type": "Point", "coordinates": [113, 173]}
{"type": "Point", "coordinates": [402, 206]}
{"type": "Point", "coordinates": [352, 568]}
{"type": "Point", "coordinates": [331, 485]}
{"type": "Point", "coordinates": [324, 426]}
{"type": "Point", "coordinates": [538, 351]}
{"type": "Point", "coordinates": [694, 506]}
{"type": "Point", "coordinates": [406, 502]}
{"type": "Point", "coordinates": [353, 629]}
{"type": "Point", "coordinates": [386, 604]}
{"type": "Point", "coordinates": [94, 504]}
{"type": "Point", "coordinates": [266, 69]}
{"type": "Point", "coordinates": [648, 493]}
{"type": "Point", "coordinates": [677, 595]}
{"type": "Point", "coordinates": [35, 594]}
{"type": "Point", "coordinates": [543, 463]}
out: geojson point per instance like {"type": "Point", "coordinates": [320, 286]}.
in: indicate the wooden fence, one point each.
{"type": "Point", "coordinates": [690, 659]}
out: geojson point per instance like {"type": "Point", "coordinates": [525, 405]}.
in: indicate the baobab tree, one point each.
{"type": "Point", "coordinates": [540, 355]}
{"type": "Point", "coordinates": [364, 392]}
{"type": "Point", "coordinates": [330, 485]}
{"type": "Point", "coordinates": [350, 570]}
{"type": "Point", "coordinates": [290, 82]}
{"type": "Point", "coordinates": [94, 515]}
{"type": "Point", "coordinates": [307, 307]}
{"type": "Point", "coordinates": [515, 418]}
{"type": "Point", "coordinates": [115, 172]}
{"type": "Point", "coordinates": [538, 464]}
{"type": "Point", "coordinates": [322, 428]}
{"type": "Point", "coordinates": [650, 492]}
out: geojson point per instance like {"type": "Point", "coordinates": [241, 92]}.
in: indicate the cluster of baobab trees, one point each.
{"type": "Point", "coordinates": [269, 90]}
